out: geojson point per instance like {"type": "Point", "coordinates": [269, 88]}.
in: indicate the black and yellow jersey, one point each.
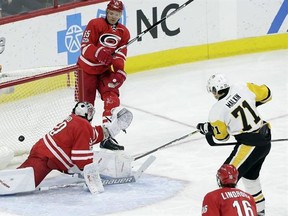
{"type": "Point", "coordinates": [236, 113]}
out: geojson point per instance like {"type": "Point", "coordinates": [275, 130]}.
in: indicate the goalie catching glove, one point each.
{"type": "Point", "coordinates": [120, 120]}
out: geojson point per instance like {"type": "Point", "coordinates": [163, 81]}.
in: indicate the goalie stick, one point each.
{"type": "Point", "coordinates": [153, 26]}
{"type": "Point", "coordinates": [211, 141]}
{"type": "Point", "coordinates": [169, 143]}
{"type": "Point", "coordinates": [106, 180]}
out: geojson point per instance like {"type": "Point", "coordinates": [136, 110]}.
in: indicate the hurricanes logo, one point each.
{"type": "Point", "coordinates": [109, 40]}
{"type": "Point", "coordinates": [73, 38]}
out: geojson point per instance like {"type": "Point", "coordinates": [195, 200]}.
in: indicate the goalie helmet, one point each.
{"type": "Point", "coordinates": [85, 110]}
{"type": "Point", "coordinates": [227, 175]}
{"type": "Point", "coordinates": [216, 83]}
{"type": "Point", "coordinates": [115, 5]}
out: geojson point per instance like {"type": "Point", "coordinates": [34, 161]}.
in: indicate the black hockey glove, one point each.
{"type": "Point", "coordinates": [205, 128]}
{"type": "Point", "coordinates": [111, 144]}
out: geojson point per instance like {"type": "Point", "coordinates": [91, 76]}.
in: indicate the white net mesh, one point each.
{"type": "Point", "coordinates": [32, 106]}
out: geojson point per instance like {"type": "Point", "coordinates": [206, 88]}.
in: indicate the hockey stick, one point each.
{"type": "Point", "coordinates": [144, 166]}
{"type": "Point", "coordinates": [76, 184]}
{"type": "Point", "coordinates": [153, 26]}
{"type": "Point", "coordinates": [211, 141]}
{"type": "Point", "coordinates": [171, 142]}
{"type": "Point", "coordinates": [106, 180]}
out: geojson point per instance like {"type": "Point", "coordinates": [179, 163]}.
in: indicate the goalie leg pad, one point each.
{"type": "Point", "coordinates": [92, 178]}
{"type": "Point", "coordinates": [115, 164]}
{"type": "Point", "coordinates": [17, 181]}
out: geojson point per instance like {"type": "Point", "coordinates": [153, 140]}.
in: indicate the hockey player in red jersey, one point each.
{"type": "Point", "coordinates": [228, 200]}
{"type": "Point", "coordinates": [235, 114]}
{"type": "Point", "coordinates": [68, 146]}
{"type": "Point", "coordinates": [102, 70]}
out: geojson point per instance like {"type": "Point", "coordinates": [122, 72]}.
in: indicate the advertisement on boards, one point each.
{"type": "Point", "coordinates": [54, 40]}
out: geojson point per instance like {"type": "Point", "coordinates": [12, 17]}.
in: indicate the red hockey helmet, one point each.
{"type": "Point", "coordinates": [227, 175]}
{"type": "Point", "coordinates": [115, 5]}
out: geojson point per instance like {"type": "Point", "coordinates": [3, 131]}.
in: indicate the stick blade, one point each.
{"type": "Point", "coordinates": [145, 166]}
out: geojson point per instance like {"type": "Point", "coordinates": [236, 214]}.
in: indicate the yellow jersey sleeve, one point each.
{"type": "Point", "coordinates": [220, 130]}
{"type": "Point", "coordinates": [262, 93]}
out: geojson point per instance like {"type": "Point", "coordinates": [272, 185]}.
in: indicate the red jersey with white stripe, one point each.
{"type": "Point", "coordinates": [70, 142]}
{"type": "Point", "coordinates": [99, 33]}
{"type": "Point", "coordinates": [228, 202]}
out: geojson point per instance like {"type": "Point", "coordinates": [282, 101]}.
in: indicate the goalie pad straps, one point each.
{"type": "Point", "coordinates": [92, 178]}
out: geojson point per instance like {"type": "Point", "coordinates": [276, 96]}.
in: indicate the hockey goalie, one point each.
{"type": "Point", "coordinates": [68, 149]}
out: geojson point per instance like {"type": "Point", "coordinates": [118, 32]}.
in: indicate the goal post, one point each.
{"type": "Point", "coordinates": [31, 104]}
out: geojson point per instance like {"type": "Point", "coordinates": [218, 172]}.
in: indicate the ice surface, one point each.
{"type": "Point", "coordinates": [167, 103]}
{"type": "Point", "coordinates": [67, 201]}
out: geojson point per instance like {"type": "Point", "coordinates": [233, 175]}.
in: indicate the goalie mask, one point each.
{"type": "Point", "coordinates": [216, 83]}
{"type": "Point", "coordinates": [227, 175]}
{"type": "Point", "coordinates": [85, 110]}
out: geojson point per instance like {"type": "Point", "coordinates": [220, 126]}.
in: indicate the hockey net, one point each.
{"type": "Point", "coordinates": [31, 104]}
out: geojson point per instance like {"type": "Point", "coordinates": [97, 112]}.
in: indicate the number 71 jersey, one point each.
{"type": "Point", "coordinates": [236, 112]}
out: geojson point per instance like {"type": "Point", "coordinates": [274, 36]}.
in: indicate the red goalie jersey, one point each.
{"type": "Point", "coordinates": [228, 202]}
{"type": "Point", "coordinates": [66, 145]}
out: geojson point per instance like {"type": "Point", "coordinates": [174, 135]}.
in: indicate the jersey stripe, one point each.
{"type": "Point", "coordinates": [81, 155]}
{"type": "Point", "coordinates": [241, 155]}
{"type": "Point", "coordinates": [57, 151]}
{"type": "Point", "coordinates": [88, 62]}
{"type": "Point", "coordinates": [78, 158]}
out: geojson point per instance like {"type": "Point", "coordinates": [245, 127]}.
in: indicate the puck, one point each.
{"type": "Point", "coordinates": [21, 138]}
